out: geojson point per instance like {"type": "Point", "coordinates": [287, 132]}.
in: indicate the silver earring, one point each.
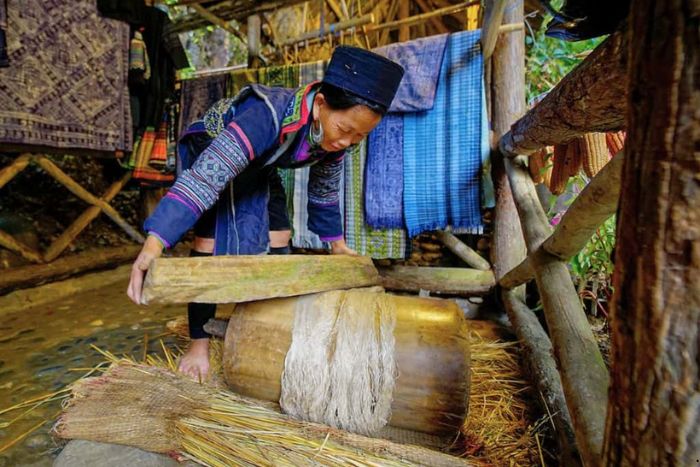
{"type": "Point", "coordinates": [316, 133]}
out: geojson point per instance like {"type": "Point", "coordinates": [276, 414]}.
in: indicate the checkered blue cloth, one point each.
{"type": "Point", "coordinates": [443, 146]}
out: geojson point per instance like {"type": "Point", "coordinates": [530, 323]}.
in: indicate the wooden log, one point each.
{"type": "Point", "coordinates": [75, 188]}
{"type": "Point", "coordinates": [36, 274]}
{"type": "Point", "coordinates": [596, 203]}
{"type": "Point", "coordinates": [590, 98]}
{"type": "Point", "coordinates": [654, 407]}
{"type": "Point", "coordinates": [508, 249]}
{"type": "Point", "coordinates": [68, 235]}
{"type": "Point", "coordinates": [452, 281]}
{"type": "Point", "coordinates": [583, 372]}
{"type": "Point", "coordinates": [10, 171]}
{"type": "Point", "coordinates": [233, 279]}
{"type": "Point", "coordinates": [466, 254]}
{"type": "Point", "coordinates": [9, 242]}
{"type": "Point", "coordinates": [493, 17]}
{"type": "Point", "coordinates": [431, 349]}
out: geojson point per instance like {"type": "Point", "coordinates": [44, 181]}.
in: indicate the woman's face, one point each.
{"type": "Point", "coordinates": [342, 128]}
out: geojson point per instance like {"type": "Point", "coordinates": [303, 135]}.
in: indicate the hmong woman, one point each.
{"type": "Point", "coordinates": [230, 157]}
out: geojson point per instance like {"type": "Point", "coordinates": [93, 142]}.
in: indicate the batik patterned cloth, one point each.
{"type": "Point", "coordinates": [379, 244]}
{"type": "Point", "coordinates": [66, 86]}
{"type": "Point", "coordinates": [421, 59]}
{"type": "Point", "coordinates": [198, 95]}
{"type": "Point", "coordinates": [384, 174]}
{"type": "Point", "coordinates": [443, 146]}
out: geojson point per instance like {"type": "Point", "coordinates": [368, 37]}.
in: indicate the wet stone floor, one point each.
{"type": "Point", "coordinates": [44, 348]}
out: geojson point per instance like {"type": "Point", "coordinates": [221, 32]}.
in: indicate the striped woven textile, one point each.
{"type": "Point", "coordinates": [442, 146]}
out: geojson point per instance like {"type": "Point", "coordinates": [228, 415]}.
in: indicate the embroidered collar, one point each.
{"type": "Point", "coordinates": [298, 111]}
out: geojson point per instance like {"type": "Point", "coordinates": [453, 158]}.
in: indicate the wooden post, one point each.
{"type": "Point", "coordinates": [654, 407]}
{"type": "Point", "coordinates": [508, 249]}
{"type": "Point", "coordinates": [404, 12]}
{"type": "Point", "coordinates": [254, 25]}
{"type": "Point", "coordinates": [68, 235]}
{"type": "Point", "coordinates": [590, 98]}
{"type": "Point", "coordinates": [596, 203]}
{"type": "Point", "coordinates": [466, 254]}
{"type": "Point", "coordinates": [583, 373]}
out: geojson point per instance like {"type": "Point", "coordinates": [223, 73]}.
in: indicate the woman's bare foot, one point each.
{"type": "Point", "coordinates": [195, 362]}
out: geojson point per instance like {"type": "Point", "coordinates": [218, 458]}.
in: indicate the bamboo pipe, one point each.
{"type": "Point", "coordinates": [596, 203]}
{"type": "Point", "coordinates": [431, 351]}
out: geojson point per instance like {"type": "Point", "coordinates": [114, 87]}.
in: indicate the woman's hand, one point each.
{"type": "Point", "coordinates": [339, 247]}
{"type": "Point", "coordinates": [152, 249]}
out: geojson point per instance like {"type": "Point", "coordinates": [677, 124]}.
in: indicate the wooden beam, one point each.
{"type": "Point", "coordinates": [591, 98]}
{"type": "Point", "coordinates": [596, 203]}
{"type": "Point", "coordinates": [75, 188]}
{"type": "Point", "coordinates": [215, 20]}
{"type": "Point", "coordinates": [451, 281]}
{"type": "Point", "coordinates": [68, 235]}
{"type": "Point", "coordinates": [9, 242]}
{"type": "Point", "coordinates": [466, 254]}
{"type": "Point", "coordinates": [233, 279]}
{"type": "Point", "coordinates": [493, 17]}
{"type": "Point", "coordinates": [583, 372]}
{"type": "Point", "coordinates": [10, 171]}
{"type": "Point", "coordinates": [435, 21]}
{"type": "Point", "coordinates": [508, 249]}
{"type": "Point", "coordinates": [331, 29]}
{"type": "Point", "coordinates": [90, 260]}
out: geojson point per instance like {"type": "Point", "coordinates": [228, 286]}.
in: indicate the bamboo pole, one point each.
{"type": "Point", "coordinates": [596, 203]}
{"type": "Point", "coordinates": [583, 373]}
{"type": "Point", "coordinates": [591, 98]}
{"type": "Point", "coordinates": [395, 8]}
{"type": "Point", "coordinates": [508, 104]}
{"type": "Point", "coordinates": [215, 20]}
{"type": "Point", "coordinates": [68, 235]}
{"type": "Point", "coordinates": [331, 29]}
{"type": "Point", "coordinates": [466, 254]}
{"type": "Point", "coordinates": [493, 17]}
{"type": "Point", "coordinates": [9, 242]}
{"type": "Point", "coordinates": [404, 13]}
{"type": "Point", "coordinates": [433, 20]}
{"type": "Point", "coordinates": [423, 17]}
{"type": "Point", "coordinates": [10, 171]}
{"type": "Point", "coordinates": [86, 196]}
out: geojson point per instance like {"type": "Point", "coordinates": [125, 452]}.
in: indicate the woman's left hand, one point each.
{"type": "Point", "coordinates": [339, 247]}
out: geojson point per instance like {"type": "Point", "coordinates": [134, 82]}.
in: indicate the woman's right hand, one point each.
{"type": "Point", "coordinates": [152, 249]}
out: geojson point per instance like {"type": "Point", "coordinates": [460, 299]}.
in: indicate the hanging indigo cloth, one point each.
{"type": "Point", "coordinates": [442, 146]}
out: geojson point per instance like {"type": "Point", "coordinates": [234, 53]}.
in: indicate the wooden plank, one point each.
{"type": "Point", "coordinates": [10, 171]}
{"type": "Point", "coordinates": [75, 188]}
{"type": "Point", "coordinates": [450, 281]}
{"type": "Point", "coordinates": [68, 235]}
{"type": "Point", "coordinates": [36, 274]}
{"type": "Point", "coordinates": [9, 242]}
{"type": "Point", "coordinates": [591, 98]}
{"type": "Point", "coordinates": [466, 254]}
{"type": "Point", "coordinates": [596, 203]}
{"type": "Point", "coordinates": [233, 279]}
{"type": "Point", "coordinates": [654, 409]}
{"type": "Point", "coordinates": [508, 104]}
{"type": "Point", "coordinates": [583, 372]}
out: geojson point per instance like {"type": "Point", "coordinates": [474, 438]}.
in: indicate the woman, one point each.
{"type": "Point", "coordinates": [239, 144]}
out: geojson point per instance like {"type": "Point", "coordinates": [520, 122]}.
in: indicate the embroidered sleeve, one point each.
{"type": "Point", "coordinates": [197, 189]}
{"type": "Point", "coordinates": [324, 199]}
